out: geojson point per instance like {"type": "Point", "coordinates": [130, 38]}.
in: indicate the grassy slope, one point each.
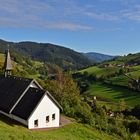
{"type": "Point", "coordinates": [134, 71]}
{"type": "Point", "coordinates": [119, 80]}
{"type": "Point", "coordinates": [100, 71]}
{"type": "Point", "coordinates": [1, 60]}
{"type": "Point", "coordinates": [22, 69]}
{"type": "Point", "coordinates": [10, 130]}
{"type": "Point", "coordinates": [122, 80]}
{"type": "Point", "coordinates": [2, 57]}
{"type": "Point", "coordinates": [128, 58]}
{"type": "Point", "coordinates": [115, 93]}
{"type": "Point", "coordinates": [125, 59]}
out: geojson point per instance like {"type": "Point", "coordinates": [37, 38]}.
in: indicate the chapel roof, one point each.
{"type": "Point", "coordinates": [28, 103]}
{"type": "Point", "coordinates": [11, 88]}
{"type": "Point", "coordinates": [19, 98]}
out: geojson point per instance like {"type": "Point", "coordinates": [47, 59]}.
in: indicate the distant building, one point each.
{"type": "Point", "coordinates": [25, 101]}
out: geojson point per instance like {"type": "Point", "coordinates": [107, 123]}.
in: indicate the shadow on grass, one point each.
{"type": "Point", "coordinates": [10, 121]}
{"type": "Point", "coordinates": [122, 92]}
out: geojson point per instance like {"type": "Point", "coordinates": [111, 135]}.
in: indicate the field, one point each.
{"type": "Point", "coordinates": [1, 59]}
{"type": "Point", "coordinates": [118, 85]}
{"type": "Point", "coordinates": [135, 74]}
{"type": "Point", "coordinates": [119, 80]}
{"type": "Point", "coordinates": [10, 130]}
{"type": "Point", "coordinates": [134, 71]}
{"type": "Point", "coordinates": [123, 80]}
{"type": "Point", "coordinates": [114, 93]}
{"type": "Point", "coordinates": [100, 71]}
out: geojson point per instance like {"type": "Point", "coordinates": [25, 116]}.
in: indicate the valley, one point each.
{"type": "Point", "coordinates": [112, 82]}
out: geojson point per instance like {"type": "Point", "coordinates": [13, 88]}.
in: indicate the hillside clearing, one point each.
{"type": "Point", "coordinates": [114, 93]}
{"type": "Point", "coordinates": [101, 72]}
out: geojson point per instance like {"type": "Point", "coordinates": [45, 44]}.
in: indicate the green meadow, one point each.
{"type": "Point", "coordinates": [114, 93]}
{"type": "Point", "coordinates": [11, 130]}
{"type": "Point", "coordinates": [134, 71]}
{"type": "Point", "coordinates": [117, 87]}
{"type": "Point", "coordinates": [100, 71]}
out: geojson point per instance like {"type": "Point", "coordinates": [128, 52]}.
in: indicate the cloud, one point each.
{"type": "Point", "coordinates": [69, 26]}
{"type": "Point", "coordinates": [52, 14]}
{"type": "Point", "coordinates": [132, 14]}
{"type": "Point", "coordinates": [62, 14]}
{"type": "Point", "coordinates": [102, 16]}
{"type": "Point", "coordinates": [35, 14]}
{"type": "Point", "coordinates": [128, 11]}
{"type": "Point", "coordinates": [110, 29]}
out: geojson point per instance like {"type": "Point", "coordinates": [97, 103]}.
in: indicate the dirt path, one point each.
{"type": "Point", "coordinates": [64, 121]}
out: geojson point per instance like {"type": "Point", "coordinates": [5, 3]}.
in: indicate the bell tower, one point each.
{"type": "Point", "coordinates": [8, 64]}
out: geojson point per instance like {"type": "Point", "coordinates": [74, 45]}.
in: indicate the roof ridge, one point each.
{"type": "Point", "coordinates": [37, 89]}
{"type": "Point", "coordinates": [19, 78]}
{"type": "Point", "coordinates": [53, 99]}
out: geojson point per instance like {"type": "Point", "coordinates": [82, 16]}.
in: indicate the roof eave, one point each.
{"type": "Point", "coordinates": [54, 100]}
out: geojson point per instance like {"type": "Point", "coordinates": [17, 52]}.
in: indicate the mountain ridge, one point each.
{"type": "Point", "coordinates": [98, 57]}
{"type": "Point", "coordinates": [64, 57]}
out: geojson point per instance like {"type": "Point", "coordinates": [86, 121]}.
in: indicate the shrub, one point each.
{"type": "Point", "coordinates": [83, 111]}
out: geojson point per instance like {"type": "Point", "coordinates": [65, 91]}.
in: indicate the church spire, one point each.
{"type": "Point", "coordinates": [8, 64]}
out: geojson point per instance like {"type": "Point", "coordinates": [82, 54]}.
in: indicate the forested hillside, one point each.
{"type": "Point", "coordinates": [54, 54]}
{"type": "Point", "coordinates": [79, 105]}
{"type": "Point", "coordinates": [130, 59]}
{"type": "Point", "coordinates": [98, 57]}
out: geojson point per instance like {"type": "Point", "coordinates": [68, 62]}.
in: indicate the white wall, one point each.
{"type": "Point", "coordinates": [45, 108]}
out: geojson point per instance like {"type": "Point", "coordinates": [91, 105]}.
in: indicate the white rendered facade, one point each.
{"type": "Point", "coordinates": [45, 110]}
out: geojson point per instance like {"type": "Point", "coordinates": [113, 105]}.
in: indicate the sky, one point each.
{"type": "Point", "coordinates": [104, 26]}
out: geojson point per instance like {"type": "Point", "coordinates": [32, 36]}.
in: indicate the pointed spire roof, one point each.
{"type": "Point", "coordinates": [8, 63]}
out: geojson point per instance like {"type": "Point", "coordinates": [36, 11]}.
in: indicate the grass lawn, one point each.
{"type": "Point", "coordinates": [109, 105]}
{"type": "Point", "coordinates": [93, 69]}
{"type": "Point", "coordinates": [2, 57]}
{"type": "Point", "coordinates": [119, 80]}
{"type": "Point", "coordinates": [115, 93]}
{"type": "Point", "coordinates": [10, 130]}
{"type": "Point", "coordinates": [135, 74]}
{"type": "Point", "coordinates": [100, 71]}
{"type": "Point", "coordinates": [37, 63]}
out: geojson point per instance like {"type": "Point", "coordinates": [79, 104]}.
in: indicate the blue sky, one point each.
{"type": "Point", "coordinates": [105, 26]}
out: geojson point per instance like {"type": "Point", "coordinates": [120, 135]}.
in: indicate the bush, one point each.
{"type": "Point", "coordinates": [83, 111]}
{"type": "Point", "coordinates": [133, 126]}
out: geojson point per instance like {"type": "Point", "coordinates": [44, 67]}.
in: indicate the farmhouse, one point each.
{"type": "Point", "coordinates": [25, 101]}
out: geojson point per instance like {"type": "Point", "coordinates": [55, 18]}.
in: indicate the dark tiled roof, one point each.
{"type": "Point", "coordinates": [28, 103]}
{"type": "Point", "coordinates": [11, 88]}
